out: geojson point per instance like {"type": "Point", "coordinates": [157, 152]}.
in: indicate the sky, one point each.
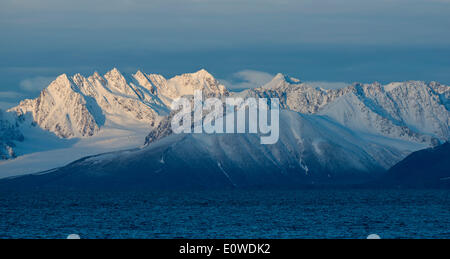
{"type": "Point", "coordinates": [241, 42]}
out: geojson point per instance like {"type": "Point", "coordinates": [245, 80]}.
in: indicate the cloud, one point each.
{"type": "Point", "coordinates": [35, 84]}
{"type": "Point", "coordinates": [9, 99]}
{"type": "Point", "coordinates": [246, 79]}
{"type": "Point", "coordinates": [6, 105]}
{"type": "Point", "coordinates": [28, 89]}
{"type": "Point", "coordinates": [196, 24]}
{"type": "Point", "coordinates": [328, 85]}
{"type": "Point", "coordinates": [10, 95]}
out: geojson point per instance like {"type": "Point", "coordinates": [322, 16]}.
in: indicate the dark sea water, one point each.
{"type": "Point", "coordinates": [232, 214]}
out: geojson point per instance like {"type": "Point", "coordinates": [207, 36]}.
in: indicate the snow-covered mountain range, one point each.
{"type": "Point", "coordinates": [413, 111]}
{"type": "Point", "coordinates": [324, 134]}
{"type": "Point", "coordinates": [311, 150]}
{"type": "Point", "coordinates": [79, 107]}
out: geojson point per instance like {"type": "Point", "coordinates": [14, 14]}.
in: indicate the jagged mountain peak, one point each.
{"type": "Point", "coordinates": [139, 73]}
{"type": "Point", "coordinates": [60, 86]}
{"type": "Point", "coordinates": [203, 73]}
{"type": "Point", "coordinates": [280, 80]}
{"type": "Point", "coordinates": [186, 84]}
{"type": "Point", "coordinates": [403, 86]}
{"type": "Point", "coordinates": [61, 79]}
{"type": "Point", "coordinates": [411, 110]}
{"type": "Point", "coordinates": [440, 88]}
{"type": "Point", "coordinates": [391, 86]}
{"type": "Point", "coordinates": [117, 83]}
{"type": "Point", "coordinates": [78, 76]}
{"type": "Point", "coordinates": [61, 108]}
{"type": "Point", "coordinates": [76, 106]}
{"type": "Point", "coordinates": [96, 75]}
{"type": "Point", "coordinates": [113, 72]}
{"type": "Point", "coordinates": [114, 75]}
{"type": "Point", "coordinates": [145, 81]}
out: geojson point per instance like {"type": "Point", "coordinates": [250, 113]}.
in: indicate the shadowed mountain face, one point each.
{"type": "Point", "coordinates": [312, 150]}
{"type": "Point", "coordinates": [428, 168]}
{"type": "Point", "coordinates": [9, 133]}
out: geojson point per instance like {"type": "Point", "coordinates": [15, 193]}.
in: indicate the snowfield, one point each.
{"type": "Point", "coordinates": [45, 151]}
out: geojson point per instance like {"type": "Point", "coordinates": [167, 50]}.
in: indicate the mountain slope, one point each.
{"type": "Point", "coordinates": [53, 129]}
{"type": "Point", "coordinates": [186, 84]}
{"type": "Point", "coordinates": [295, 95]}
{"type": "Point", "coordinates": [428, 168]}
{"type": "Point", "coordinates": [412, 111]}
{"type": "Point", "coordinates": [413, 104]}
{"type": "Point", "coordinates": [9, 133]}
{"type": "Point", "coordinates": [78, 106]}
{"type": "Point", "coordinates": [312, 150]}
